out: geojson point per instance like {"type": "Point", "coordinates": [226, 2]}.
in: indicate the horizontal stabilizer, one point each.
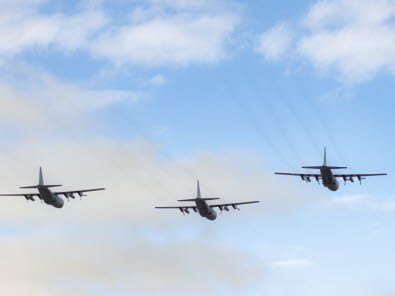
{"type": "Point", "coordinates": [194, 199]}
{"type": "Point", "coordinates": [336, 168]}
{"type": "Point", "coordinates": [323, 167]}
{"type": "Point", "coordinates": [48, 186]}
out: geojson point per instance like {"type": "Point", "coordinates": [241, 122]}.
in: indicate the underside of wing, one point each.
{"type": "Point", "coordinates": [189, 207]}
{"type": "Point", "coordinates": [233, 205]}
{"type": "Point", "coordinates": [182, 209]}
{"type": "Point", "coordinates": [28, 196]}
{"type": "Point", "coordinates": [300, 175]}
{"type": "Point", "coordinates": [359, 177]}
{"type": "Point", "coordinates": [71, 193]}
{"type": "Point", "coordinates": [304, 177]}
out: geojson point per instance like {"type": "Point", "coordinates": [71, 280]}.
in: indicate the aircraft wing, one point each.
{"type": "Point", "coordinates": [28, 196]}
{"type": "Point", "coordinates": [182, 209]}
{"type": "Point", "coordinates": [292, 174]}
{"type": "Point", "coordinates": [71, 193]}
{"type": "Point", "coordinates": [359, 177]}
{"type": "Point", "coordinates": [305, 177]}
{"type": "Point", "coordinates": [233, 205]}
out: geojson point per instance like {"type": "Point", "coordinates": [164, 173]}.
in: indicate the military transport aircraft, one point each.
{"type": "Point", "coordinates": [49, 197]}
{"type": "Point", "coordinates": [205, 210]}
{"type": "Point", "coordinates": [328, 178]}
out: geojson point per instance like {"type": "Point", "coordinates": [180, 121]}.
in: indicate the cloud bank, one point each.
{"type": "Point", "coordinates": [115, 240]}
{"type": "Point", "coordinates": [150, 33]}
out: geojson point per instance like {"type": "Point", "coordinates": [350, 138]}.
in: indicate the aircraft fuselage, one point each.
{"type": "Point", "coordinates": [328, 179]}
{"type": "Point", "coordinates": [49, 197]}
{"type": "Point", "coordinates": [205, 210]}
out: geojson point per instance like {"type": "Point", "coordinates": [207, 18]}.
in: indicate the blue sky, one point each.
{"type": "Point", "coordinates": [145, 97]}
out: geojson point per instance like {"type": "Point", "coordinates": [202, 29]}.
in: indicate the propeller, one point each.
{"type": "Point", "coordinates": [360, 179]}
{"type": "Point", "coordinates": [235, 207]}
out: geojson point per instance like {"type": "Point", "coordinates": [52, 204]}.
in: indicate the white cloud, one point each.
{"type": "Point", "coordinates": [155, 34]}
{"type": "Point", "coordinates": [77, 31]}
{"type": "Point", "coordinates": [275, 42]}
{"type": "Point", "coordinates": [177, 39]}
{"type": "Point", "coordinates": [351, 39]}
{"type": "Point", "coordinates": [349, 200]}
{"type": "Point", "coordinates": [157, 80]}
{"type": "Point", "coordinates": [68, 97]}
{"type": "Point", "coordinates": [51, 264]}
{"type": "Point", "coordinates": [292, 263]}
{"type": "Point", "coordinates": [32, 98]}
{"type": "Point", "coordinates": [24, 27]}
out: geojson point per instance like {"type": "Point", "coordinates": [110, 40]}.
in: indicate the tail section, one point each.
{"type": "Point", "coordinates": [198, 195]}
{"type": "Point", "coordinates": [324, 157]}
{"type": "Point", "coordinates": [324, 165]}
{"type": "Point", "coordinates": [40, 182]}
{"type": "Point", "coordinates": [40, 178]}
{"type": "Point", "coordinates": [194, 199]}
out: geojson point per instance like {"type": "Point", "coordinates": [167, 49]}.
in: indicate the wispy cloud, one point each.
{"type": "Point", "coordinates": [155, 36]}
{"type": "Point", "coordinates": [292, 263]}
{"type": "Point", "coordinates": [153, 33]}
{"type": "Point", "coordinates": [25, 27]}
{"type": "Point", "coordinates": [349, 200]}
{"type": "Point", "coordinates": [70, 263]}
{"type": "Point", "coordinates": [275, 42]}
{"type": "Point", "coordinates": [353, 40]}
{"type": "Point", "coordinates": [32, 98]}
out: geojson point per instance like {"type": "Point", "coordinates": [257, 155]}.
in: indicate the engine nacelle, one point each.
{"type": "Point", "coordinates": [307, 178]}
{"type": "Point", "coordinates": [29, 197]}
{"type": "Point", "coordinates": [226, 209]}
{"type": "Point", "coordinates": [186, 211]}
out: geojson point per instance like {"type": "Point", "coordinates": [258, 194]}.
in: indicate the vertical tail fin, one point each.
{"type": "Point", "coordinates": [40, 182]}
{"type": "Point", "coordinates": [198, 190]}
{"type": "Point", "coordinates": [40, 178]}
{"type": "Point", "coordinates": [324, 157]}
{"type": "Point", "coordinates": [324, 166]}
